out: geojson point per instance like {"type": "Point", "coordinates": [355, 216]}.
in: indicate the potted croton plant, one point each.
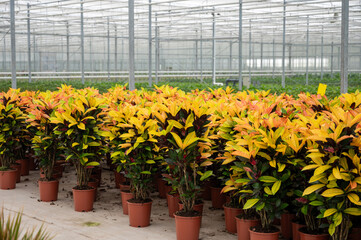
{"type": "Point", "coordinates": [335, 162]}
{"type": "Point", "coordinates": [259, 152]}
{"type": "Point", "coordinates": [188, 147]}
{"type": "Point", "coordinates": [135, 134]}
{"type": "Point", "coordinates": [46, 143]}
{"type": "Point", "coordinates": [11, 128]}
{"type": "Point", "coordinates": [79, 123]}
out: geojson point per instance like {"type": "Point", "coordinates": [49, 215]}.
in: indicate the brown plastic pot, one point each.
{"type": "Point", "coordinates": [83, 200]}
{"type": "Point", "coordinates": [263, 236]}
{"type": "Point", "coordinates": [230, 218]}
{"type": "Point", "coordinates": [125, 195]}
{"type": "Point", "coordinates": [187, 228]}
{"type": "Point", "coordinates": [139, 214]}
{"type": "Point", "coordinates": [48, 190]}
{"type": "Point", "coordinates": [218, 199]}
{"type": "Point", "coordinates": [295, 232]}
{"type": "Point", "coordinates": [94, 184]}
{"type": "Point", "coordinates": [8, 179]}
{"type": "Point", "coordinates": [173, 206]}
{"type": "Point", "coordinates": [286, 225]}
{"type": "Point", "coordinates": [206, 192]}
{"type": "Point", "coordinates": [306, 236]}
{"type": "Point", "coordinates": [24, 166]}
{"type": "Point", "coordinates": [97, 174]}
{"type": "Point", "coordinates": [124, 187]}
{"type": "Point", "coordinates": [17, 167]}
{"type": "Point", "coordinates": [118, 178]}
{"type": "Point", "coordinates": [161, 188]}
{"type": "Point", "coordinates": [56, 175]}
{"type": "Point", "coordinates": [243, 225]}
{"type": "Point", "coordinates": [32, 165]}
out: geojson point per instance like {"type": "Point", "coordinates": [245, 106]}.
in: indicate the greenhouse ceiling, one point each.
{"type": "Point", "coordinates": [185, 19]}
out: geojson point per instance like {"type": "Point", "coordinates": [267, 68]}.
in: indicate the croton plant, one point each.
{"type": "Point", "coordinates": [133, 135]}
{"type": "Point", "coordinates": [79, 122]}
{"type": "Point", "coordinates": [12, 127]}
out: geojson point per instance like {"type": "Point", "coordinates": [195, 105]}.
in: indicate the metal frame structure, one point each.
{"type": "Point", "coordinates": [183, 28]}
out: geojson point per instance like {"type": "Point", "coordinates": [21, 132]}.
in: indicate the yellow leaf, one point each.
{"type": "Point", "coordinates": [81, 126]}
{"type": "Point", "coordinates": [321, 169]}
{"type": "Point", "coordinates": [276, 186]}
{"type": "Point", "coordinates": [273, 163]}
{"type": "Point", "coordinates": [329, 212]}
{"type": "Point", "coordinates": [336, 173]}
{"type": "Point", "coordinates": [178, 140]}
{"type": "Point", "coordinates": [190, 139]}
{"type": "Point", "coordinates": [354, 198]}
{"type": "Point", "coordinates": [268, 191]}
{"type": "Point", "coordinates": [332, 192]}
{"type": "Point", "coordinates": [312, 188]}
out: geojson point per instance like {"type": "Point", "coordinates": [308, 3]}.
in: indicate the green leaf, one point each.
{"type": "Point", "coordinates": [316, 203]}
{"type": "Point", "coordinates": [206, 175]}
{"type": "Point", "coordinates": [146, 172]}
{"type": "Point", "coordinates": [268, 179]}
{"type": "Point", "coordinates": [250, 203]}
{"type": "Point", "coordinates": [150, 161]}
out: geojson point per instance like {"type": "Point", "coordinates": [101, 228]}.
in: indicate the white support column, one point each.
{"type": "Point", "coordinates": [29, 44]}
{"type": "Point", "coordinates": [131, 45]}
{"type": "Point", "coordinates": [13, 47]}
{"type": "Point", "coordinates": [344, 46]}
{"type": "Point", "coordinates": [240, 57]}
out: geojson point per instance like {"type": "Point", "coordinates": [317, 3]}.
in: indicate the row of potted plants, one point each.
{"type": "Point", "coordinates": [271, 154]}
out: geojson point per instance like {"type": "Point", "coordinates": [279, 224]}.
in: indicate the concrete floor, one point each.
{"type": "Point", "coordinates": [63, 222]}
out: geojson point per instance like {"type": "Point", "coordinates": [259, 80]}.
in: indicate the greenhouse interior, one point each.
{"type": "Point", "coordinates": [180, 119]}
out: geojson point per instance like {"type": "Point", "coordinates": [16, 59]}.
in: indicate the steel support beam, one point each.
{"type": "Point", "coordinates": [250, 51]}
{"type": "Point", "coordinates": [13, 47]}
{"type": "Point", "coordinates": [201, 51]}
{"type": "Point", "coordinates": [322, 54]}
{"type": "Point", "coordinates": [131, 45]}
{"type": "Point", "coordinates": [115, 48]}
{"type": "Point", "coordinates": [67, 47]}
{"type": "Point", "coordinates": [284, 45]}
{"type": "Point", "coordinates": [230, 55]}
{"type": "Point", "coordinates": [156, 51]}
{"type": "Point", "coordinates": [307, 47]}
{"type": "Point", "coordinates": [214, 47]}
{"type": "Point", "coordinates": [240, 32]}
{"type": "Point", "coordinates": [344, 46]}
{"type": "Point", "coordinates": [150, 73]}
{"type": "Point", "coordinates": [108, 52]}
{"type": "Point", "coordinates": [274, 59]}
{"type": "Point", "coordinates": [82, 41]}
{"type": "Point", "coordinates": [332, 60]}
{"type": "Point", "coordinates": [29, 44]}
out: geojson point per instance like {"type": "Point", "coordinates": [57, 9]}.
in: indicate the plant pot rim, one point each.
{"type": "Point", "coordinates": [224, 205]}
{"type": "Point", "coordinates": [74, 189]}
{"type": "Point", "coordinates": [247, 219]}
{"type": "Point", "coordinates": [277, 232]}
{"type": "Point", "coordinates": [301, 230]}
{"type": "Point", "coordinates": [187, 217]}
{"type": "Point", "coordinates": [148, 201]}
{"type": "Point", "coordinates": [9, 170]}
{"type": "Point", "coordinates": [45, 180]}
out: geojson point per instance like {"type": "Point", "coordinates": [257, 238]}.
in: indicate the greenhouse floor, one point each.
{"type": "Point", "coordinates": [106, 221]}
